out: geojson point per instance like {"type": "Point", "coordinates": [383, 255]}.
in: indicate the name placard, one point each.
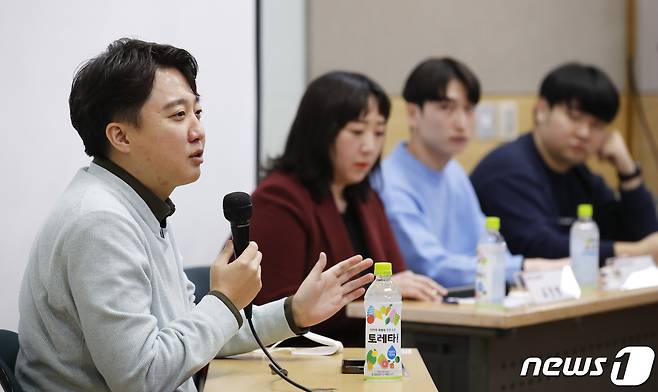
{"type": "Point", "coordinates": [551, 285]}
{"type": "Point", "coordinates": [628, 273]}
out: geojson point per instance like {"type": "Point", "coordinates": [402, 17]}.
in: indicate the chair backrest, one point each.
{"type": "Point", "coordinates": [8, 353]}
{"type": "Point", "coordinates": [200, 276]}
{"type": "Point", "coordinates": [8, 348]}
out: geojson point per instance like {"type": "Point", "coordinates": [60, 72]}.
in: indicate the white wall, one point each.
{"type": "Point", "coordinates": [42, 44]}
{"type": "Point", "coordinates": [283, 70]}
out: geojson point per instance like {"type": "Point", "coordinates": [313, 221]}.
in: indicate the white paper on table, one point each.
{"type": "Point", "coordinates": [644, 278]}
{"type": "Point", "coordinates": [329, 347]}
{"type": "Point", "coordinates": [635, 272]}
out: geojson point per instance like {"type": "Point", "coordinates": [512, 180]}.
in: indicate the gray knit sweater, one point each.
{"type": "Point", "coordinates": [105, 304]}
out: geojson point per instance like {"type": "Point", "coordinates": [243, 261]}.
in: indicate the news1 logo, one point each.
{"type": "Point", "coordinates": [630, 367]}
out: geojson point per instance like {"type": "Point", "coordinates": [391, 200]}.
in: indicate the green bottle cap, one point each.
{"type": "Point", "coordinates": [585, 210]}
{"type": "Point", "coordinates": [492, 223]}
{"type": "Point", "coordinates": [383, 269]}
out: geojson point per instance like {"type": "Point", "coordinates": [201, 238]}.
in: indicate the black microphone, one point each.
{"type": "Point", "coordinates": [237, 210]}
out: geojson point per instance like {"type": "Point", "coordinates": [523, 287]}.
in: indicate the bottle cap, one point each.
{"type": "Point", "coordinates": [492, 223]}
{"type": "Point", "coordinates": [585, 210]}
{"type": "Point", "coordinates": [383, 269]}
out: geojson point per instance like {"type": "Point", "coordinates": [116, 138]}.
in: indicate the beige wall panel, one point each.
{"type": "Point", "coordinates": [647, 45]}
{"type": "Point", "coordinates": [510, 44]}
{"type": "Point", "coordinates": [641, 142]}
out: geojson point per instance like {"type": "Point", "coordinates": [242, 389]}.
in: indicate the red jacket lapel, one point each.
{"type": "Point", "coordinates": [336, 238]}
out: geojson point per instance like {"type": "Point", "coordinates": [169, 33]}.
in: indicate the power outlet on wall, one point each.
{"type": "Point", "coordinates": [485, 120]}
{"type": "Point", "coordinates": [508, 128]}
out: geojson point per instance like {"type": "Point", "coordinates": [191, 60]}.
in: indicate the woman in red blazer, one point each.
{"type": "Point", "coordinates": [317, 196]}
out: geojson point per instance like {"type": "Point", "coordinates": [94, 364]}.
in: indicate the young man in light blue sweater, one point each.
{"type": "Point", "coordinates": [433, 209]}
{"type": "Point", "coordinates": [105, 304]}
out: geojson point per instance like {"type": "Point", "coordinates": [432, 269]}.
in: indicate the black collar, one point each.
{"type": "Point", "coordinates": [161, 209]}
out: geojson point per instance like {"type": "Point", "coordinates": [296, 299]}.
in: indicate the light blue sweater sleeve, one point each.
{"type": "Point", "coordinates": [436, 218]}
{"type": "Point", "coordinates": [425, 253]}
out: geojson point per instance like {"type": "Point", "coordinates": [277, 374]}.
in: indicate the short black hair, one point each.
{"type": "Point", "coordinates": [329, 103]}
{"type": "Point", "coordinates": [582, 87]}
{"type": "Point", "coordinates": [114, 85]}
{"type": "Point", "coordinates": [429, 81]}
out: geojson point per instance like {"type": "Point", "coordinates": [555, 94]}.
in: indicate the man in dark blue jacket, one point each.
{"type": "Point", "coordinates": [535, 183]}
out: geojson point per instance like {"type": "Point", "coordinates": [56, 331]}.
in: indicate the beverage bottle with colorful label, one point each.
{"type": "Point", "coordinates": [383, 306]}
{"type": "Point", "coordinates": [584, 248]}
{"type": "Point", "coordinates": [490, 272]}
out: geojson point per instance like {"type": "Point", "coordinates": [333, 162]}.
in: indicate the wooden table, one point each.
{"type": "Point", "coordinates": [471, 348]}
{"type": "Point", "coordinates": [313, 372]}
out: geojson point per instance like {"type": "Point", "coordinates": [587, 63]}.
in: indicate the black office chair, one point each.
{"type": "Point", "coordinates": [200, 276]}
{"type": "Point", "coordinates": [8, 353]}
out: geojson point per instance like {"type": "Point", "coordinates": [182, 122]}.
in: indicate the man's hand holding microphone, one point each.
{"type": "Point", "coordinates": [320, 296]}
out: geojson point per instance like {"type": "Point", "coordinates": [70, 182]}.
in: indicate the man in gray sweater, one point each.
{"type": "Point", "coordinates": [105, 304]}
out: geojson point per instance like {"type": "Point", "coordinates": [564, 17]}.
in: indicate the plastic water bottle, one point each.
{"type": "Point", "coordinates": [490, 273]}
{"type": "Point", "coordinates": [383, 305]}
{"type": "Point", "coordinates": [584, 248]}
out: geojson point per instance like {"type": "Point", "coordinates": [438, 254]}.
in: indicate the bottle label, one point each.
{"type": "Point", "coordinates": [383, 340]}
{"type": "Point", "coordinates": [584, 252]}
{"type": "Point", "coordinates": [590, 247]}
{"type": "Point", "coordinates": [490, 274]}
